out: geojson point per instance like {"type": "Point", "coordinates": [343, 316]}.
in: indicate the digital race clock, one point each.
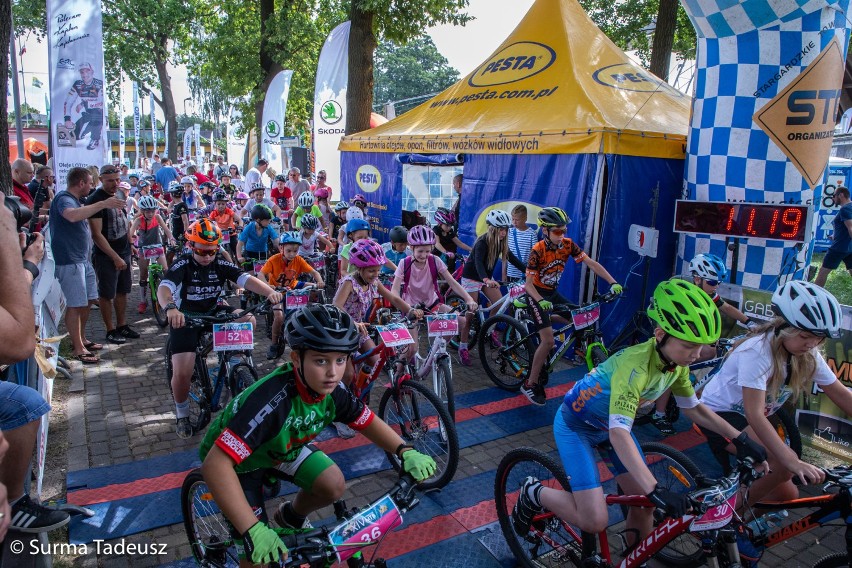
{"type": "Point", "coordinates": [779, 221]}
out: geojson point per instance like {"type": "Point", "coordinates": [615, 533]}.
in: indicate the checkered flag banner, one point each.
{"type": "Point", "coordinates": [753, 56]}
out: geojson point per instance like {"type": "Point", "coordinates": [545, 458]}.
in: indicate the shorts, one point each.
{"type": "Point", "coordinates": [110, 280]}
{"type": "Point", "coordinates": [472, 287]}
{"type": "Point", "coordinates": [576, 442]}
{"type": "Point", "coordinates": [541, 318]}
{"type": "Point", "coordinates": [20, 405]}
{"type": "Point", "coordinates": [303, 472]}
{"type": "Point", "coordinates": [719, 443]}
{"type": "Point", "coordinates": [186, 339]}
{"type": "Point", "coordinates": [78, 282]}
{"type": "Point", "coordinates": [833, 258]}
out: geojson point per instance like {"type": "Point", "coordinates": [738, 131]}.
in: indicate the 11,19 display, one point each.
{"type": "Point", "coordinates": [779, 221]}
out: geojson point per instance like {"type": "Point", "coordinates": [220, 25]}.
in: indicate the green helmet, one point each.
{"type": "Point", "coordinates": [685, 311]}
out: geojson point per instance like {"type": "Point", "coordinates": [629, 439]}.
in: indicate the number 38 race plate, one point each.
{"type": "Point", "coordinates": [442, 324]}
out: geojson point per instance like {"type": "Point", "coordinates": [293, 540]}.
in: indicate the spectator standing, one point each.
{"type": "Point", "coordinates": [236, 178]}
{"type": "Point", "coordinates": [199, 177]}
{"type": "Point", "coordinates": [841, 247]}
{"type": "Point", "coordinates": [166, 174]}
{"type": "Point", "coordinates": [156, 164]}
{"type": "Point", "coordinates": [457, 187]}
{"type": "Point", "coordinates": [22, 175]}
{"type": "Point", "coordinates": [111, 259]}
{"type": "Point", "coordinates": [297, 185]}
{"type": "Point", "coordinates": [254, 176]}
{"type": "Point", "coordinates": [44, 176]}
{"type": "Point", "coordinates": [125, 174]}
{"type": "Point", "coordinates": [321, 177]}
{"type": "Point", "coordinates": [521, 239]}
{"type": "Point", "coordinates": [71, 243]}
{"type": "Point", "coordinates": [221, 167]}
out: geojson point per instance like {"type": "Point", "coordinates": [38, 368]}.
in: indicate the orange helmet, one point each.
{"type": "Point", "coordinates": [204, 231]}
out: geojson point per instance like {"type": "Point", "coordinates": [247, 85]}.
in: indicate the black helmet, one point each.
{"type": "Point", "coordinates": [553, 217]}
{"type": "Point", "coordinates": [399, 234]}
{"type": "Point", "coordinates": [281, 177]}
{"type": "Point", "coordinates": [220, 195]}
{"type": "Point", "coordinates": [260, 212]}
{"type": "Point", "coordinates": [321, 327]}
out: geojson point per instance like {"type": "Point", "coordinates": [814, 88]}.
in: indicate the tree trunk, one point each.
{"type": "Point", "coordinates": [270, 70]}
{"type": "Point", "coordinates": [168, 102]}
{"type": "Point", "coordinates": [5, 31]}
{"type": "Point", "coordinates": [362, 48]}
{"type": "Point", "coordinates": [661, 49]}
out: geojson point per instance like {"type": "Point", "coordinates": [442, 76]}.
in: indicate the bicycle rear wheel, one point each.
{"type": "Point", "coordinates": [786, 428]}
{"type": "Point", "coordinates": [836, 560]}
{"type": "Point", "coordinates": [550, 541]}
{"type": "Point", "coordinates": [505, 364]}
{"type": "Point", "coordinates": [446, 391]}
{"type": "Point", "coordinates": [206, 528]}
{"type": "Point", "coordinates": [159, 312]}
{"type": "Point", "coordinates": [416, 414]}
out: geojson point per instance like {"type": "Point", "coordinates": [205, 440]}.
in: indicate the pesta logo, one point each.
{"type": "Point", "coordinates": [368, 178]}
{"type": "Point", "coordinates": [331, 112]}
{"type": "Point", "coordinates": [629, 77]}
{"type": "Point", "coordinates": [513, 63]}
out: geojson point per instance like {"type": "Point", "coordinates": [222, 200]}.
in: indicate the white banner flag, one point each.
{"type": "Point", "coordinates": [76, 64]}
{"type": "Point", "coordinates": [237, 138]}
{"type": "Point", "coordinates": [137, 124]}
{"type": "Point", "coordinates": [274, 109]}
{"type": "Point", "coordinates": [187, 143]}
{"type": "Point", "coordinates": [121, 135]}
{"type": "Point", "coordinates": [153, 125]}
{"type": "Point", "coordinates": [330, 102]}
{"type": "Point", "coordinates": [199, 151]}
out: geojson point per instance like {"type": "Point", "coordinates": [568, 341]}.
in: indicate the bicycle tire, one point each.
{"type": "Point", "coordinates": [454, 301]}
{"type": "Point", "coordinates": [446, 390]}
{"type": "Point", "coordinates": [242, 377]}
{"type": "Point", "coordinates": [159, 312]}
{"type": "Point", "coordinates": [200, 393]}
{"type": "Point", "coordinates": [405, 409]}
{"type": "Point", "coordinates": [786, 428]}
{"type": "Point", "coordinates": [207, 530]}
{"type": "Point", "coordinates": [527, 549]}
{"type": "Point", "coordinates": [507, 364]}
{"type": "Point", "coordinates": [674, 472]}
{"type": "Point", "coordinates": [836, 560]}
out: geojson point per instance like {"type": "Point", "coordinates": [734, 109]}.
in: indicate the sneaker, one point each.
{"type": "Point", "coordinates": [495, 339]}
{"type": "Point", "coordinates": [93, 144]}
{"type": "Point", "coordinates": [183, 428]}
{"type": "Point", "coordinates": [115, 337]}
{"type": "Point", "coordinates": [31, 517]}
{"type": "Point", "coordinates": [663, 424]}
{"type": "Point", "coordinates": [280, 518]}
{"type": "Point", "coordinates": [534, 393]}
{"type": "Point", "coordinates": [749, 552]}
{"type": "Point", "coordinates": [143, 307]}
{"type": "Point", "coordinates": [128, 332]}
{"type": "Point", "coordinates": [344, 431]}
{"type": "Point", "coordinates": [272, 352]}
{"type": "Point", "coordinates": [464, 357]}
{"type": "Point", "coordinates": [527, 506]}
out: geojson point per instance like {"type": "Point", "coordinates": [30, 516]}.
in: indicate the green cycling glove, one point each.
{"type": "Point", "coordinates": [263, 545]}
{"type": "Point", "coordinates": [616, 288]}
{"type": "Point", "coordinates": [545, 305]}
{"type": "Point", "coordinates": [420, 466]}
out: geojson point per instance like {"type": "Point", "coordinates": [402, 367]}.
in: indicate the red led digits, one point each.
{"type": "Point", "coordinates": [732, 211]}
{"type": "Point", "coordinates": [792, 217]}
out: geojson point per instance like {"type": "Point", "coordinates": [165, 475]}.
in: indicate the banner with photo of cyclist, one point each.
{"type": "Point", "coordinates": [237, 138]}
{"type": "Point", "coordinates": [274, 111]}
{"type": "Point", "coordinates": [187, 143]}
{"type": "Point", "coordinates": [122, 137]}
{"type": "Point", "coordinates": [330, 102]}
{"type": "Point", "coordinates": [76, 62]}
{"type": "Point", "coordinates": [137, 125]}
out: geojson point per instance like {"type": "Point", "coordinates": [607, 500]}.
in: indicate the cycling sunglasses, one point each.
{"type": "Point", "coordinates": [202, 252]}
{"type": "Point", "coordinates": [558, 232]}
{"type": "Point", "coordinates": [712, 282]}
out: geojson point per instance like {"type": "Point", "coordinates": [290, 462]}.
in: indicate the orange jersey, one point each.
{"type": "Point", "coordinates": [225, 219]}
{"type": "Point", "coordinates": [547, 261]}
{"type": "Point", "coordinates": [279, 272]}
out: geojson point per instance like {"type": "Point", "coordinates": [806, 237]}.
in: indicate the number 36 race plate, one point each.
{"type": "Point", "coordinates": [233, 336]}
{"type": "Point", "coordinates": [365, 528]}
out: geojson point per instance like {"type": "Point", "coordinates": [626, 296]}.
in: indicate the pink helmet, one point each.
{"type": "Point", "coordinates": [321, 193]}
{"type": "Point", "coordinates": [241, 195]}
{"type": "Point", "coordinates": [366, 253]}
{"type": "Point", "coordinates": [445, 216]}
{"type": "Point", "coordinates": [421, 235]}
{"type": "Point", "coordinates": [359, 198]}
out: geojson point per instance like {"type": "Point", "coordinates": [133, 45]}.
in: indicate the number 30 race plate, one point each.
{"type": "Point", "coordinates": [233, 336]}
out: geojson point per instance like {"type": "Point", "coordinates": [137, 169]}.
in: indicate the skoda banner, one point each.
{"type": "Point", "coordinates": [187, 142]}
{"type": "Point", "coordinates": [274, 110]}
{"type": "Point", "coordinates": [76, 64]}
{"type": "Point", "coordinates": [137, 125]}
{"type": "Point", "coordinates": [199, 151]}
{"type": "Point", "coordinates": [330, 102]}
{"type": "Point", "coordinates": [236, 139]}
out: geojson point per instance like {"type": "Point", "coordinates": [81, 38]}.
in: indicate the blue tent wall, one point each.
{"type": "Point", "coordinates": [630, 185]}
{"type": "Point", "coordinates": [385, 203]}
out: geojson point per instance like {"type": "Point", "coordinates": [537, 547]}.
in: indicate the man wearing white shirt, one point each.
{"type": "Point", "coordinates": [255, 175]}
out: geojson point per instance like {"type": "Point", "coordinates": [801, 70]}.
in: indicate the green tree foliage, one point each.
{"type": "Point", "coordinates": [405, 71]}
{"type": "Point", "coordinates": [630, 25]}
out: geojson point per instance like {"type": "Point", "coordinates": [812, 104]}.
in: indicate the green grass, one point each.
{"type": "Point", "coordinates": [839, 281]}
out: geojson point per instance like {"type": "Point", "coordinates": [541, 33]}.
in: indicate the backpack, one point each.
{"type": "Point", "coordinates": [406, 274]}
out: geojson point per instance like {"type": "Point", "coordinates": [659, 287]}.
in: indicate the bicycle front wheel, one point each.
{"type": "Point", "coordinates": [159, 312]}
{"type": "Point", "coordinates": [550, 541]}
{"type": "Point", "coordinates": [505, 361]}
{"type": "Point", "coordinates": [207, 530]}
{"type": "Point", "coordinates": [836, 560]}
{"type": "Point", "coordinates": [242, 377]}
{"type": "Point", "coordinates": [415, 413]}
{"type": "Point", "coordinates": [444, 385]}
{"type": "Point", "coordinates": [200, 393]}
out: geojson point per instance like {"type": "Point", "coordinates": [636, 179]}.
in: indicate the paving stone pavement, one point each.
{"type": "Point", "coordinates": [125, 413]}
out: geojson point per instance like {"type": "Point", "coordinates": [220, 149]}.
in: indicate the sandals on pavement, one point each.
{"type": "Point", "coordinates": [86, 358]}
{"type": "Point", "coordinates": [92, 346]}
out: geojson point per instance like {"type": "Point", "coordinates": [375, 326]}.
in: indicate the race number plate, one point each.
{"type": "Point", "coordinates": [233, 336]}
{"type": "Point", "coordinates": [442, 324]}
{"type": "Point", "coordinates": [317, 261]}
{"type": "Point", "coordinates": [297, 298]}
{"type": "Point", "coordinates": [366, 528]}
{"type": "Point", "coordinates": [152, 252]}
{"type": "Point", "coordinates": [517, 291]}
{"type": "Point", "coordinates": [394, 335]}
{"type": "Point", "coordinates": [258, 266]}
{"type": "Point", "coordinates": [586, 316]}
{"type": "Point", "coordinates": [720, 515]}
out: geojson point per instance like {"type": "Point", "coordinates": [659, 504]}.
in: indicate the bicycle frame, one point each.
{"type": "Point", "coordinates": [226, 369]}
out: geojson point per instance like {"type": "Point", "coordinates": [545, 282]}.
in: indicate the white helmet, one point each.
{"type": "Point", "coordinates": [808, 307]}
{"type": "Point", "coordinates": [187, 179]}
{"type": "Point", "coordinates": [148, 202]}
{"type": "Point", "coordinates": [498, 218]}
{"type": "Point", "coordinates": [354, 213]}
{"type": "Point", "coordinates": [708, 266]}
{"type": "Point", "coordinates": [306, 200]}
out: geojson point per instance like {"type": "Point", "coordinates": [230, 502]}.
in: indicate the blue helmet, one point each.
{"type": "Point", "coordinates": [709, 267]}
{"type": "Point", "coordinates": [357, 225]}
{"type": "Point", "coordinates": [289, 237]}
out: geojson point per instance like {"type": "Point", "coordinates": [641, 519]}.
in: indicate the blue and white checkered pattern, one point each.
{"type": "Point", "coordinates": [729, 158]}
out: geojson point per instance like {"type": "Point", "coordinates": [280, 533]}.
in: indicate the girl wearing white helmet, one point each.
{"type": "Point", "coordinates": [150, 227]}
{"type": "Point", "coordinates": [305, 204]}
{"type": "Point", "coordinates": [479, 267]}
{"type": "Point", "coordinates": [773, 364]}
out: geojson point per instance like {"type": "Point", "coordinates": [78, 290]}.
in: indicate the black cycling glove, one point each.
{"type": "Point", "coordinates": [748, 448]}
{"type": "Point", "coordinates": [674, 504]}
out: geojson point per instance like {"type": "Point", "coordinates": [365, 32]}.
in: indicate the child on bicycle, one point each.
{"type": "Point", "coordinates": [150, 228]}
{"type": "Point", "coordinates": [311, 235]}
{"type": "Point", "coordinates": [307, 395]}
{"type": "Point", "coordinates": [416, 280]}
{"type": "Point", "coordinates": [356, 230]}
{"type": "Point", "coordinates": [479, 267]}
{"type": "Point", "coordinates": [282, 270]}
{"type": "Point", "coordinates": [602, 406]}
{"type": "Point", "coordinates": [448, 239]}
{"type": "Point", "coordinates": [305, 207]}
{"type": "Point", "coordinates": [396, 248]}
{"type": "Point", "coordinates": [241, 200]}
{"type": "Point", "coordinates": [254, 239]}
{"type": "Point", "coordinates": [227, 220]}
{"type": "Point", "coordinates": [338, 220]}
{"type": "Point", "coordinates": [707, 270]}
{"type": "Point", "coordinates": [774, 364]}
{"type": "Point", "coordinates": [544, 269]}
{"type": "Point", "coordinates": [360, 202]}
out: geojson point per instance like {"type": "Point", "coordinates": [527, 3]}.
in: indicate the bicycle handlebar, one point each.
{"type": "Point", "coordinates": [224, 317]}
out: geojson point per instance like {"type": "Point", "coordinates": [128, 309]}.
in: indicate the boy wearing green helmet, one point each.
{"type": "Point", "coordinates": [602, 406]}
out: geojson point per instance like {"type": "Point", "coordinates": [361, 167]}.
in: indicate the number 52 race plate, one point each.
{"type": "Point", "coordinates": [233, 336]}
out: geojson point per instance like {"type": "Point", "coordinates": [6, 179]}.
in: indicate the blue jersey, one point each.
{"type": "Point", "coordinates": [258, 243]}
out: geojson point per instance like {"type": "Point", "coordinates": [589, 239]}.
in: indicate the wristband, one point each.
{"type": "Point", "coordinates": [31, 268]}
{"type": "Point", "coordinates": [171, 306]}
{"type": "Point", "coordinates": [399, 448]}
